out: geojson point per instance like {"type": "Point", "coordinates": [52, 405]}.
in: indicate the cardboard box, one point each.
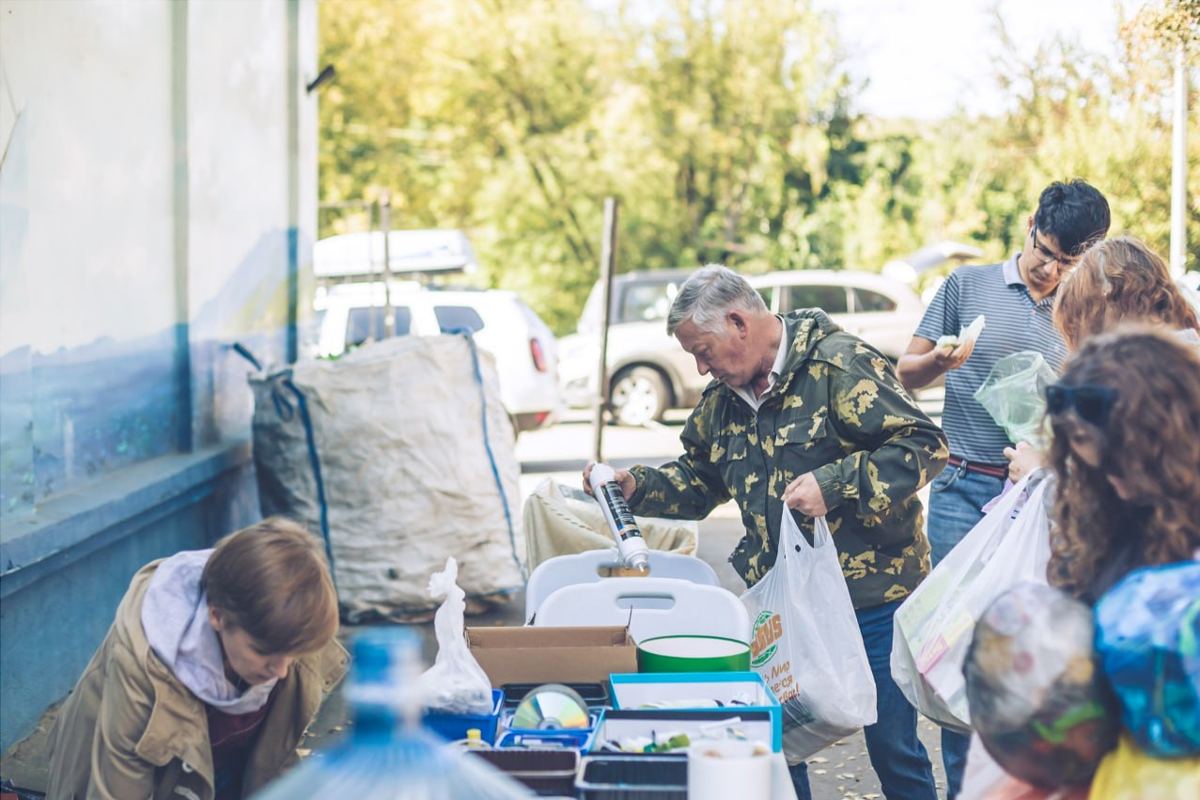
{"type": "Point", "coordinates": [552, 655]}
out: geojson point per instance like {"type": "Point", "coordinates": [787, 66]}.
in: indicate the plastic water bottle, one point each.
{"type": "Point", "coordinates": [388, 755]}
{"type": "Point", "coordinates": [624, 528]}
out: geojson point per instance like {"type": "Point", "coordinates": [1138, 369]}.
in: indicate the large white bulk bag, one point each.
{"type": "Point", "coordinates": [407, 475]}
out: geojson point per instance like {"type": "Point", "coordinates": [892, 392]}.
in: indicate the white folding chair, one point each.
{"type": "Point", "coordinates": [650, 606]}
{"type": "Point", "coordinates": [555, 573]}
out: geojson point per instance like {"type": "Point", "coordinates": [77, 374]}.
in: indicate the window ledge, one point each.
{"type": "Point", "coordinates": [71, 525]}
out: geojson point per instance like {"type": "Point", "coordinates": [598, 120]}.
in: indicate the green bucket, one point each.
{"type": "Point", "coordinates": [693, 654]}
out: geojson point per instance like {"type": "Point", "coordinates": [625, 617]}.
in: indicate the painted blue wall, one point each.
{"type": "Point", "coordinates": [157, 206]}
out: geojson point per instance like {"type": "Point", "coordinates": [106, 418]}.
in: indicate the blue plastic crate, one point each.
{"type": "Point", "coordinates": [452, 727]}
{"type": "Point", "coordinates": [635, 690]}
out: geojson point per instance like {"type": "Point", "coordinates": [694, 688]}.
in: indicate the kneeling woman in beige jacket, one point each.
{"type": "Point", "coordinates": [216, 663]}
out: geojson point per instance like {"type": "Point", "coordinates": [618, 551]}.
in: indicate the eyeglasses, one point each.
{"type": "Point", "coordinates": [1091, 403]}
{"type": "Point", "coordinates": [1045, 255]}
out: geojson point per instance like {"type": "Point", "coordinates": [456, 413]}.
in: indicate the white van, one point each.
{"type": "Point", "coordinates": [526, 352]}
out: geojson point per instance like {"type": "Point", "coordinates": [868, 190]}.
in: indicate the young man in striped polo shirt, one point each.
{"type": "Point", "coordinates": [1017, 298]}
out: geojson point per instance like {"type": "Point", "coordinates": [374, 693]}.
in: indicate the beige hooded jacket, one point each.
{"type": "Point", "coordinates": [130, 730]}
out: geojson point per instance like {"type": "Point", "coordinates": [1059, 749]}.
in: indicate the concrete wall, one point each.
{"type": "Point", "coordinates": [157, 204]}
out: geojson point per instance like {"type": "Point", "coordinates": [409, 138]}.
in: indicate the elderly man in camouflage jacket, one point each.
{"type": "Point", "coordinates": [805, 414]}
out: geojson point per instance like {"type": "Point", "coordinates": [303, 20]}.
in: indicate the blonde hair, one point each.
{"type": "Point", "coordinates": [1119, 279]}
{"type": "Point", "coordinates": [272, 581]}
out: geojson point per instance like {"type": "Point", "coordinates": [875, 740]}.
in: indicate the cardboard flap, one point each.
{"type": "Point", "coordinates": [552, 655]}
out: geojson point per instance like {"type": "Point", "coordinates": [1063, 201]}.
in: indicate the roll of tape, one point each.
{"type": "Point", "coordinates": [723, 768]}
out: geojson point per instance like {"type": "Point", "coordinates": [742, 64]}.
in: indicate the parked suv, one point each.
{"type": "Point", "coordinates": [649, 372]}
{"type": "Point", "coordinates": [881, 311]}
{"type": "Point", "coordinates": [525, 349]}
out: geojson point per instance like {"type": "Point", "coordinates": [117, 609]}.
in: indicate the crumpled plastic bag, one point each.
{"type": "Point", "coordinates": [1014, 393]}
{"type": "Point", "coordinates": [1128, 773]}
{"type": "Point", "coordinates": [1148, 638]}
{"type": "Point", "coordinates": [455, 684]}
{"type": "Point", "coordinates": [1038, 701]}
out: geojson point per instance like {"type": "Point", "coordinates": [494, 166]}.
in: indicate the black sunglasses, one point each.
{"type": "Point", "coordinates": [1091, 403]}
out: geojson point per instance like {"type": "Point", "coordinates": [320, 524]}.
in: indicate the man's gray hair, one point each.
{"type": "Point", "coordinates": [708, 294]}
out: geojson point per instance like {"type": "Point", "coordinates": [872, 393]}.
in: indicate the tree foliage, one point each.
{"type": "Point", "coordinates": [727, 130]}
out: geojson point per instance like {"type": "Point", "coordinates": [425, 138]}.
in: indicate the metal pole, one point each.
{"type": "Point", "coordinates": [1179, 169]}
{"type": "Point", "coordinates": [608, 256]}
{"type": "Point", "coordinates": [385, 222]}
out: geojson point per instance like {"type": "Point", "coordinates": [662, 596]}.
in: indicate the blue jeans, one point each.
{"type": "Point", "coordinates": [956, 498]}
{"type": "Point", "coordinates": [897, 755]}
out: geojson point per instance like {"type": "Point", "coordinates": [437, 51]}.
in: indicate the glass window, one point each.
{"type": "Point", "coordinates": [367, 323]}
{"type": "Point", "coordinates": [453, 318]}
{"type": "Point", "coordinates": [866, 300]}
{"type": "Point", "coordinates": [647, 302]}
{"type": "Point", "coordinates": [830, 299]}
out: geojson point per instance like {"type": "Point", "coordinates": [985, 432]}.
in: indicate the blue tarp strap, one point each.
{"type": "Point", "coordinates": [487, 443]}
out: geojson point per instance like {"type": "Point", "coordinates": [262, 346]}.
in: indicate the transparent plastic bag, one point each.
{"type": "Point", "coordinates": [933, 626]}
{"type": "Point", "coordinates": [455, 684]}
{"type": "Point", "coordinates": [810, 651]}
{"type": "Point", "coordinates": [1014, 393]}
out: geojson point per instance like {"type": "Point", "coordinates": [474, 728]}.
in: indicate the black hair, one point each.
{"type": "Point", "coordinates": [1074, 213]}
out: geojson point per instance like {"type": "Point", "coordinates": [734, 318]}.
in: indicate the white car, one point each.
{"type": "Point", "coordinates": [525, 349]}
{"type": "Point", "coordinates": [649, 372]}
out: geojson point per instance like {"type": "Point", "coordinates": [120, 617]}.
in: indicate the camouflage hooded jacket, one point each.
{"type": "Point", "coordinates": [837, 411]}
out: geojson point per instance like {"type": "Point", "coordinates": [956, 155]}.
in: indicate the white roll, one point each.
{"type": "Point", "coordinates": [719, 769]}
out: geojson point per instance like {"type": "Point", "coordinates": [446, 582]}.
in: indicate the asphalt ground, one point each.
{"type": "Point", "coordinates": [840, 772]}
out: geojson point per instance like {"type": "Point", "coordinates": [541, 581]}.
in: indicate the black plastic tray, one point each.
{"type": "Point", "coordinates": [547, 772]}
{"type": "Point", "coordinates": [594, 694]}
{"type": "Point", "coordinates": [628, 777]}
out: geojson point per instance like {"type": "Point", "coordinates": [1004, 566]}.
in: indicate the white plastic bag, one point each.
{"type": "Point", "coordinates": [455, 684]}
{"type": "Point", "coordinates": [933, 627]}
{"type": "Point", "coordinates": [806, 644]}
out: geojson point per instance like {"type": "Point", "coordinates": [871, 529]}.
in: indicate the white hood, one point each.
{"type": "Point", "coordinates": [175, 619]}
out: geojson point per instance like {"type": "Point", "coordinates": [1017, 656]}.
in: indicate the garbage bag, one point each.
{"type": "Point", "coordinates": [561, 520]}
{"type": "Point", "coordinates": [1014, 392]}
{"type": "Point", "coordinates": [403, 452]}
{"type": "Point", "coordinates": [1148, 637]}
{"type": "Point", "coordinates": [1037, 698]}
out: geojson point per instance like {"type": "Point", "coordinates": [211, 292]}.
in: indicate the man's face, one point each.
{"type": "Point", "coordinates": [724, 355]}
{"type": "Point", "coordinates": [1042, 263]}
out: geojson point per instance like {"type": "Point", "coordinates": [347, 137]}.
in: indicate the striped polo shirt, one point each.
{"type": "Point", "coordinates": [1014, 322]}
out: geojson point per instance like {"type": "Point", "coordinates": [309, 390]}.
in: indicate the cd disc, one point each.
{"type": "Point", "coordinates": [551, 707]}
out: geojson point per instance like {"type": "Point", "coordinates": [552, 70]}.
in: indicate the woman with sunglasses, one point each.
{"type": "Point", "coordinates": [1118, 279]}
{"type": "Point", "coordinates": [1124, 417]}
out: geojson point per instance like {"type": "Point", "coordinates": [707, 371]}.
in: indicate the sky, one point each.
{"type": "Point", "coordinates": [925, 57]}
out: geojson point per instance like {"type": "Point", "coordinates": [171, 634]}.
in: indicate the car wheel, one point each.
{"type": "Point", "coordinates": [639, 396]}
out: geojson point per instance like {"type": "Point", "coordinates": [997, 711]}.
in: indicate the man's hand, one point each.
{"type": "Point", "coordinates": [951, 357]}
{"type": "Point", "coordinates": [624, 478]}
{"type": "Point", "coordinates": [1022, 460]}
{"type": "Point", "coordinates": [804, 495]}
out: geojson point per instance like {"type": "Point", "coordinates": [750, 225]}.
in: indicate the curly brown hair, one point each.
{"type": "Point", "coordinates": [1119, 279]}
{"type": "Point", "coordinates": [1150, 443]}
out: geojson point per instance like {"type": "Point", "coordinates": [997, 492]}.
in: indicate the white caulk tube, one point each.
{"type": "Point", "coordinates": [624, 528]}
